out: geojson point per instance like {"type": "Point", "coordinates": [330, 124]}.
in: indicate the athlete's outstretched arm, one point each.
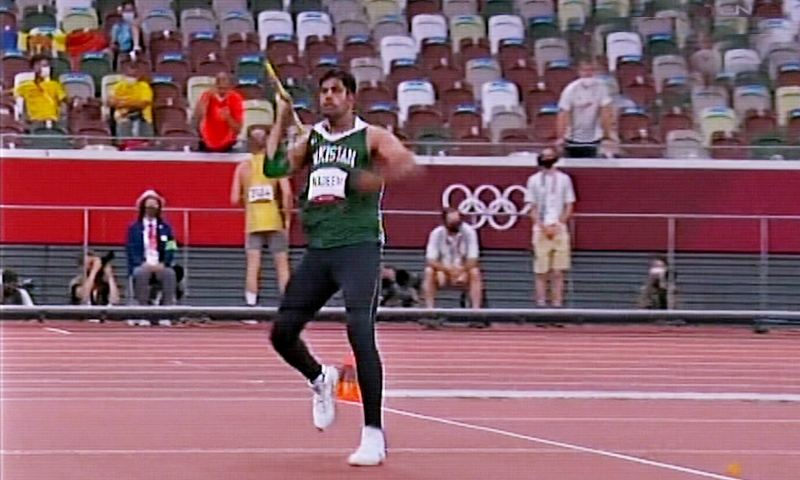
{"type": "Point", "coordinates": [393, 161]}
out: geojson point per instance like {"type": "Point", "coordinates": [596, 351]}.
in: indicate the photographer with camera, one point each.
{"type": "Point", "coordinates": [11, 293]}
{"type": "Point", "coordinates": [95, 285]}
{"type": "Point", "coordinates": [658, 291]}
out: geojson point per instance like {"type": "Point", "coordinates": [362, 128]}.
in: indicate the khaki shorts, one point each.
{"type": "Point", "coordinates": [551, 253]}
{"type": "Point", "coordinates": [277, 240]}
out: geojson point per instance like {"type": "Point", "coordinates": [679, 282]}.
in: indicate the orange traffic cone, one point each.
{"type": "Point", "coordinates": [734, 470]}
{"type": "Point", "coordinates": [348, 382]}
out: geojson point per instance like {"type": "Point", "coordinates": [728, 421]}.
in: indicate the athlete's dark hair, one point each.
{"type": "Point", "coordinates": [38, 58]}
{"type": "Point", "coordinates": [347, 80]}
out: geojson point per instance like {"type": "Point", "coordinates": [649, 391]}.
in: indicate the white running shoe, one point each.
{"type": "Point", "coordinates": [325, 397]}
{"type": "Point", "coordinates": [372, 451]}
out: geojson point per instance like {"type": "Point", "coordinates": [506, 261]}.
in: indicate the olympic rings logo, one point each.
{"type": "Point", "coordinates": [474, 204]}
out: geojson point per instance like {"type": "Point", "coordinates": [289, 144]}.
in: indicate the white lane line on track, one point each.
{"type": "Point", "coordinates": [487, 364]}
{"type": "Point", "coordinates": [627, 420]}
{"type": "Point", "coordinates": [58, 330]}
{"type": "Point", "coordinates": [86, 399]}
{"type": "Point", "coordinates": [417, 357]}
{"type": "Point", "coordinates": [595, 395]}
{"type": "Point", "coordinates": [324, 451]}
{"type": "Point", "coordinates": [569, 446]}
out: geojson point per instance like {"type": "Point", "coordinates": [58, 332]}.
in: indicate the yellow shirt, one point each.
{"type": "Point", "coordinates": [134, 91]}
{"type": "Point", "coordinates": [260, 197]}
{"type": "Point", "coordinates": [42, 99]}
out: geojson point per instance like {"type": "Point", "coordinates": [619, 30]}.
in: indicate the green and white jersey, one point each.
{"type": "Point", "coordinates": [332, 216]}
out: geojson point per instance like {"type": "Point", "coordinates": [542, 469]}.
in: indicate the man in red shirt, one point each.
{"type": "Point", "coordinates": [221, 114]}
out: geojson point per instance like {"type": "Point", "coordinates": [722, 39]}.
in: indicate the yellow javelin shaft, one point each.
{"type": "Point", "coordinates": [282, 91]}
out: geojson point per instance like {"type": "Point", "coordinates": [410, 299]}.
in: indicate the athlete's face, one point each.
{"type": "Point", "coordinates": [334, 99]}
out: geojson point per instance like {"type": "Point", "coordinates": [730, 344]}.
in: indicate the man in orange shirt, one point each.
{"type": "Point", "coordinates": [221, 114]}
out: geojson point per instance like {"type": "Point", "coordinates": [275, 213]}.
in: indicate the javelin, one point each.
{"type": "Point", "coordinates": [283, 93]}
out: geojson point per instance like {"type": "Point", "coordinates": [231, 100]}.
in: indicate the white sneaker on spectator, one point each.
{"type": "Point", "coordinates": [324, 387]}
{"type": "Point", "coordinates": [372, 451]}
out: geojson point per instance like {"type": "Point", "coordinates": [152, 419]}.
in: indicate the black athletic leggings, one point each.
{"type": "Point", "coordinates": [355, 269]}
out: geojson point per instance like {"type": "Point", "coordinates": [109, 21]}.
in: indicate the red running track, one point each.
{"type": "Point", "coordinates": [87, 401]}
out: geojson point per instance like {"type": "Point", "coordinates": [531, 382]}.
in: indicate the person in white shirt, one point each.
{"type": "Point", "coordinates": [551, 195]}
{"type": "Point", "coordinates": [586, 114]}
{"type": "Point", "coordinates": [452, 259]}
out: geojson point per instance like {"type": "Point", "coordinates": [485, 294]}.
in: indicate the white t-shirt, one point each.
{"type": "Point", "coordinates": [452, 250]}
{"type": "Point", "coordinates": [150, 251]}
{"type": "Point", "coordinates": [550, 192]}
{"type": "Point", "coordinates": [583, 99]}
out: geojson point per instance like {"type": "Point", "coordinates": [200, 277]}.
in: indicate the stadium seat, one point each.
{"type": "Point", "coordinates": [435, 53]}
{"type": "Point", "coordinates": [13, 62]}
{"type": "Point", "coordinates": [322, 66]}
{"type": "Point", "coordinates": [543, 124]}
{"type": "Point", "coordinates": [222, 8]}
{"type": "Point", "coordinates": [377, 9]}
{"type": "Point", "coordinates": [480, 71]}
{"type": "Point", "coordinates": [388, 26]}
{"type": "Point", "coordinates": [456, 95]}
{"type": "Point", "coordinates": [631, 123]}
{"type": "Point", "coordinates": [339, 9]}
{"type": "Point", "coordinates": [425, 26]}
{"type": "Point", "coordinates": [781, 54]}
{"type": "Point", "coordinates": [175, 65]}
{"type": "Point", "coordinates": [258, 6]}
{"type": "Point", "coordinates": [312, 24]}
{"type": "Point", "coordinates": [454, 8]}
{"type": "Point", "coordinates": [197, 20]}
{"type": "Point", "coordinates": [570, 13]}
{"type": "Point", "coordinates": [523, 74]}
{"type": "Point", "coordinates": [318, 47]}
{"type": "Point", "coordinates": [404, 69]}
{"type": "Point", "coordinates": [751, 97]}
{"type": "Point", "coordinates": [395, 47]}
{"type": "Point", "coordinates": [235, 23]}
{"type": "Point", "coordinates": [382, 114]}
{"type": "Point", "coordinates": [164, 86]}
{"type": "Point", "coordinates": [558, 74]}
{"type": "Point", "coordinates": [251, 66]}
{"type": "Point", "coordinates": [158, 21]}
{"type": "Point", "coordinates": [498, 93]}
{"type": "Point", "coordinates": [511, 52]}
{"type": "Point", "coordinates": [168, 112]}
{"type": "Point", "coordinates": [728, 145]}
{"type": "Point", "coordinates": [491, 8]}
{"type": "Point", "coordinates": [535, 8]}
{"type": "Point", "coordinates": [466, 27]}
{"type": "Point", "coordinates": [421, 7]}
{"type": "Point", "coordinates": [196, 86]}
{"type": "Point", "coordinates": [166, 41]}
{"type": "Point", "coordinates": [685, 144]}
{"type": "Point", "coordinates": [281, 48]}
{"type": "Point", "coordinates": [463, 119]}
{"type": "Point", "coordinates": [354, 29]}
{"type": "Point", "coordinates": [107, 88]}
{"type": "Point", "coordinates": [366, 69]}
{"type": "Point", "coordinates": [98, 65]}
{"type": "Point", "coordinates": [257, 112]}
{"type": "Point", "coordinates": [506, 117]}
{"type": "Point", "coordinates": [643, 145]}
{"type": "Point", "coordinates": [201, 45]}
{"type": "Point", "coordinates": [413, 92]}
{"type": "Point", "coordinates": [540, 95]}
{"type": "Point", "coordinates": [78, 85]}
{"type": "Point", "coordinates": [717, 119]}
{"type": "Point", "coordinates": [711, 96]}
{"type": "Point", "coordinates": [786, 100]}
{"type": "Point", "coordinates": [48, 136]}
{"type": "Point", "coordinates": [274, 23]}
{"type": "Point", "coordinates": [240, 44]}
{"type": "Point", "coordinates": [741, 60]}
{"type": "Point", "coordinates": [372, 92]}
{"type": "Point", "coordinates": [666, 67]}
{"type": "Point", "coordinates": [675, 119]}
{"type": "Point", "coordinates": [547, 50]}
{"type": "Point", "coordinates": [38, 16]}
{"type": "Point", "coordinates": [422, 117]}
{"type": "Point", "coordinates": [250, 88]}
{"type": "Point", "coordinates": [79, 18]}
{"type": "Point", "coordinates": [504, 27]}
{"type": "Point", "coordinates": [622, 44]}
{"type": "Point", "coordinates": [758, 122]}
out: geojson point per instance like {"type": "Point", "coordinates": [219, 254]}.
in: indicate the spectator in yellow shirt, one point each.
{"type": "Point", "coordinates": [132, 101]}
{"type": "Point", "coordinates": [42, 96]}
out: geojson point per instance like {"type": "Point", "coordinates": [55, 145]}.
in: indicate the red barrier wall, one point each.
{"type": "Point", "coordinates": [205, 184]}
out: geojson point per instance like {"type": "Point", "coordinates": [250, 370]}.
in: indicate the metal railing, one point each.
{"type": "Point", "coordinates": [672, 242]}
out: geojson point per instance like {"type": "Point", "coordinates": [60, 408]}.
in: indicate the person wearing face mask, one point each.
{"type": "Point", "coordinates": [125, 34]}
{"type": "Point", "coordinates": [151, 250]}
{"type": "Point", "coordinates": [658, 291]}
{"type": "Point", "coordinates": [132, 101]}
{"type": "Point", "coordinates": [586, 114]}
{"type": "Point", "coordinates": [452, 259]}
{"type": "Point", "coordinates": [42, 95]}
{"type": "Point", "coordinates": [551, 197]}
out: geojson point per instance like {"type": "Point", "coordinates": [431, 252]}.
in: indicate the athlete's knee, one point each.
{"type": "Point", "coordinates": [283, 334]}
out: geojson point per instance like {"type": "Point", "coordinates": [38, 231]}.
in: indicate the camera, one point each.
{"type": "Point", "coordinates": [107, 258]}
